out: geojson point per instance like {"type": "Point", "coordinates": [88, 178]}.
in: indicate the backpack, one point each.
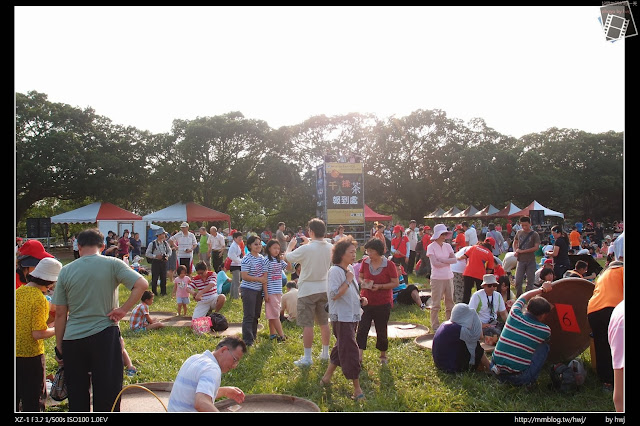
{"type": "Point", "coordinates": [218, 322]}
{"type": "Point", "coordinates": [153, 248]}
{"type": "Point", "coordinates": [568, 377]}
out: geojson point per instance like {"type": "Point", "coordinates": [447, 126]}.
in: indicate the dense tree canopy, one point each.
{"type": "Point", "coordinates": [66, 156]}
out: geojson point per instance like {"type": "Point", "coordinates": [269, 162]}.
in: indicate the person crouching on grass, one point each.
{"type": "Point", "coordinates": [140, 319]}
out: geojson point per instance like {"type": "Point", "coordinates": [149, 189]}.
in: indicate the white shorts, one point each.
{"type": "Point", "coordinates": [203, 306]}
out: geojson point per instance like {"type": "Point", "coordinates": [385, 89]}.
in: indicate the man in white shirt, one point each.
{"type": "Point", "coordinates": [216, 247]}
{"type": "Point", "coordinates": [197, 384]}
{"type": "Point", "coordinates": [488, 303]}
{"type": "Point", "coordinates": [186, 242]}
{"type": "Point", "coordinates": [412, 234]}
{"type": "Point", "coordinates": [315, 255]}
{"type": "Point", "coordinates": [470, 234]}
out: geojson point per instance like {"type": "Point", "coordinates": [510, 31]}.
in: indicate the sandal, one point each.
{"type": "Point", "coordinates": [356, 398]}
{"type": "Point", "coordinates": [131, 372]}
{"type": "Point", "coordinates": [384, 360]}
{"type": "Point", "coordinates": [324, 384]}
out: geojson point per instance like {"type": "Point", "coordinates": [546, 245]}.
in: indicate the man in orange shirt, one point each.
{"type": "Point", "coordinates": [574, 238]}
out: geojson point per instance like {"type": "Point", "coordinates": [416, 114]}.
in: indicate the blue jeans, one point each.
{"type": "Point", "coordinates": [530, 375]}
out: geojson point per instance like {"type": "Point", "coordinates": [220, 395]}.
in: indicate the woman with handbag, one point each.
{"type": "Point", "coordinates": [344, 313]}
{"type": "Point", "coordinates": [379, 277]}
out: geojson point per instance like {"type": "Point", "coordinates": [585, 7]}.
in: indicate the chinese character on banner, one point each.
{"type": "Point", "coordinates": [353, 200]}
{"type": "Point", "coordinates": [336, 199]}
{"type": "Point", "coordinates": [355, 188]}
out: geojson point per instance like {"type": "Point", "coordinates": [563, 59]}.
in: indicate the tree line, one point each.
{"type": "Point", "coordinates": [67, 157]}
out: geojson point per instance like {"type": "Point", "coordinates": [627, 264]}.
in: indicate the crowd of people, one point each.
{"type": "Point", "coordinates": [329, 288]}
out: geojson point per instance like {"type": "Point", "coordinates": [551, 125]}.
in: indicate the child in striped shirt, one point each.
{"type": "Point", "coordinates": [274, 265]}
{"type": "Point", "coordinates": [253, 288]}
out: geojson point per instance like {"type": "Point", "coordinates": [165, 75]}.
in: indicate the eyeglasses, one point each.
{"type": "Point", "coordinates": [235, 360]}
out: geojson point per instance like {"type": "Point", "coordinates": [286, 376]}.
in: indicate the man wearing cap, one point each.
{"type": "Point", "coordinates": [441, 257]}
{"type": "Point", "coordinates": [88, 339]}
{"type": "Point", "coordinates": [29, 254]}
{"type": "Point", "coordinates": [525, 245]}
{"type": "Point", "coordinates": [32, 312]}
{"type": "Point", "coordinates": [186, 243]}
{"type": "Point", "coordinates": [488, 303]}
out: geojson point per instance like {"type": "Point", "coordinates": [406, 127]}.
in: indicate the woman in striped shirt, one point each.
{"type": "Point", "coordinates": [253, 288]}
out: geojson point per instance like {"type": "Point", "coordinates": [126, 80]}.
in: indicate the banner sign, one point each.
{"type": "Point", "coordinates": [344, 193]}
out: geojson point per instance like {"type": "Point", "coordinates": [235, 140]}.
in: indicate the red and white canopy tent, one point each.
{"type": "Point", "coordinates": [189, 212]}
{"type": "Point", "coordinates": [107, 217]}
{"type": "Point", "coordinates": [372, 216]}
{"type": "Point", "coordinates": [507, 211]}
{"type": "Point", "coordinates": [94, 212]}
{"type": "Point", "coordinates": [537, 206]}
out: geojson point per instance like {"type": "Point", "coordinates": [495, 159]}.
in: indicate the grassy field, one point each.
{"type": "Point", "coordinates": [410, 381]}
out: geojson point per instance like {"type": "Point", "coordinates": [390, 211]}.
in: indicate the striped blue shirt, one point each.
{"type": "Point", "coordinates": [520, 337]}
{"type": "Point", "coordinates": [274, 274]}
{"type": "Point", "coordinates": [199, 373]}
{"type": "Point", "coordinates": [256, 267]}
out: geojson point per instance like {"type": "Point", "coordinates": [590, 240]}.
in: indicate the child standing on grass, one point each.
{"type": "Point", "coordinates": [275, 266]}
{"type": "Point", "coordinates": [140, 319]}
{"type": "Point", "coordinates": [180, 292]}
{"type": "Point", "coordinates": [253, 287]}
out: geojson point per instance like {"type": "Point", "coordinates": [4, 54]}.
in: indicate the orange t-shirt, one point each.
{"type": "Point", "coordinates": [479, 260]}
{"type": "Point", "coordinates": [460, 241]}
{"type": "Point", "coordinates": [574, 238]}
{"type": "Point", "coordinates": [609, 290]}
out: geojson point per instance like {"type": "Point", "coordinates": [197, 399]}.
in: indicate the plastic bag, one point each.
{"type": "Point", "coordinates": [59, 386]}
{"type": "Point", "coordinates": [201, 325]}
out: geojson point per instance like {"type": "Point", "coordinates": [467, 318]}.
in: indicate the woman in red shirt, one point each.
{"type": "Point", "coordinates": [400, 247]}
{"type": "Point", "coordinates": [378, 277]}
{"type": "Point", "coordinates": [479, 262]}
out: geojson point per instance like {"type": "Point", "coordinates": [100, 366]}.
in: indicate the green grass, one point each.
{"type": "Point", "coordinates": [409, 383]}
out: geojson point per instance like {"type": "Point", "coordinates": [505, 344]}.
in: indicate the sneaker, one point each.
{"type": "Point", "coordinates": [131, 372]}
{"type": "Point", "coordinates": [495, 369]}
{"type": "Point", "coordinates": [324, 357]}
{"type": "Point", "coordinates": [281, 338]}
{"type": "Point", "coordinates": [303, 362]}
{"type": "Point", "coordinates": [423, 306]}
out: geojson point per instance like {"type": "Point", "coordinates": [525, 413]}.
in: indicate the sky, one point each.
{"type": "Point", "coordinates": [521, 69]}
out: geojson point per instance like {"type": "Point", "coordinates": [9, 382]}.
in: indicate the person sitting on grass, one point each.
{"type": "Point", "coordinates": [406, 294]}
{"type": "Point", "coordinates": [488, 303]}
{"type": "Point", "coordinates": [456, 347]}
{"type": "Point", "coordinates": [522, 347]}
{"type": "Point", "coordinates": [140, 319]}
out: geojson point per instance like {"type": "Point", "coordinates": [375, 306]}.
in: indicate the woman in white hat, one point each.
{"type": "Point", "coordinates": [32, 312]}
{"type": "Point", "coordinates": [441, 257]}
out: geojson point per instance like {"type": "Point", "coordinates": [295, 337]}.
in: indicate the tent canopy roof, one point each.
{"type": "Point", "coordinates": [371, 216]}
{"type": "Point", "coordinates": [537, 206]}
{"type": "Point", "coordinates": [94, 212]}
{"type": "Point", "coordinates": [189, 212]}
